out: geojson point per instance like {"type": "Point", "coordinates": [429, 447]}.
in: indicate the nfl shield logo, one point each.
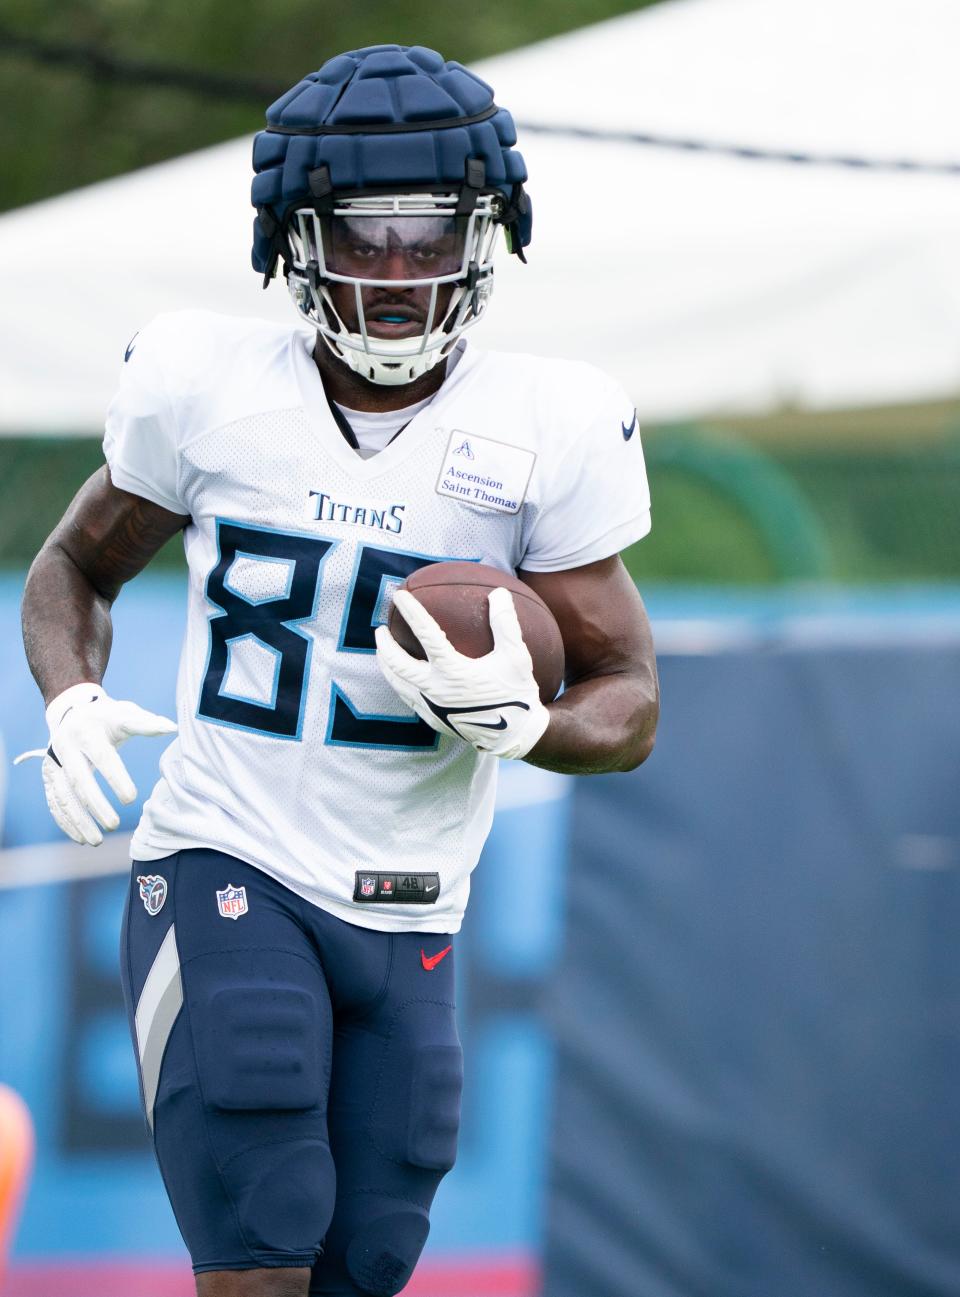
{"type": "Point", "coordinates": [368, 886]}
{"type": "Point", "coordinates": [232, 901]}
{"type": "Point", "coordinates": [153, 892]}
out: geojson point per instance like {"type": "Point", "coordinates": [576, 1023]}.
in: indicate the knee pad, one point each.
{"type": "Point", "coordinates": [283, 1192]}
{"type": "Point", "coordinates": [381, 1255]}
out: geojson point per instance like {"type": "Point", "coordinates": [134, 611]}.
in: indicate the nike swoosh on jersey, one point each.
{"type": "Point", "coordinates": [444, 713]}
{"type": "Point", "coordinates": [628, 432]}
{"type": "Point", "coordinates": [130, 347]}
{"type": "Point", "coordinates": [430, 961]}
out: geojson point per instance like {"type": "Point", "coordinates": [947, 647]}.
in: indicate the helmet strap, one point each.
{"type": "Point", "coordinates": [517, 208]}
{"type": "Point", "coordinates": [474, 179]}
{"type": "Point", "coordinates": [271, 228]}
{"type": "Point", "coordinates": [321, 187]}
{"type": "Point", "coordinates": [471, 286]}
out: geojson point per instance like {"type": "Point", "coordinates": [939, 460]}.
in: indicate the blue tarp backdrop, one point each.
{"type": "Point", "coordinates": [759, 1035]}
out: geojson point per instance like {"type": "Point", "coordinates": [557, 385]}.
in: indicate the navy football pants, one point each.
{"type": "Point", "coordinates": [300, 1075]}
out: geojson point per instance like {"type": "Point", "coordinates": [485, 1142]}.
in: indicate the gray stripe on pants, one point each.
{"type": "Point", "coordinates": [160, 1001]}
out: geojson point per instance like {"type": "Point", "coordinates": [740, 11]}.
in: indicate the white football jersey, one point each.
{"type": "Point", "coordinates": [293, 753]}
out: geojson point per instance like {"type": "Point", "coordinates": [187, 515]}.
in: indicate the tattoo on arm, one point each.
{"type": "Point", "coordinates": [607, 717]}
{"type": "Point", "coordinates": [106, 537]}
{"type": "Point", "coordinates": [126, 546]}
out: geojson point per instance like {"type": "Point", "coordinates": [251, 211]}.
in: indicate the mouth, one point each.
{"type": "Point", "coordinates": [387, 321]}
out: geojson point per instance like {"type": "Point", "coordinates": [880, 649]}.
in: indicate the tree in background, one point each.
{"type": "Point", "coordinates": [80, 104]}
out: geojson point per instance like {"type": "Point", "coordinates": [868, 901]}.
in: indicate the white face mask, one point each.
{"type": "Point", "coordinates": [391, 282]}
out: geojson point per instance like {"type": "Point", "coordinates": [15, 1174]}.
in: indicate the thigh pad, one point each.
{"type": "Point", "coordinates": [415, 1118]}
{"type": "Point", "coordinates": [261, 1027]}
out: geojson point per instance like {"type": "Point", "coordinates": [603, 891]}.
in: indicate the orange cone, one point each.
{"type": "Point", "coordinates": [16, 1160]}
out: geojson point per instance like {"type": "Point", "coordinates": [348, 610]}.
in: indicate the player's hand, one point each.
{"type": "Point", "coordinates": [86, 728]}
{"type": "Point", "coordinates": [493, 701]}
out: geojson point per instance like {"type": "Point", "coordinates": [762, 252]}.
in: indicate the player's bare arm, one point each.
{"type": "Point", "coordinates": [606, 718]}
{"type": "Point", "coordinates": [105, 537]}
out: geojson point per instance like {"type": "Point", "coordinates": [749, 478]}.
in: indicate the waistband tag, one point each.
{"type": "Point", "coordinates": [396, 889]}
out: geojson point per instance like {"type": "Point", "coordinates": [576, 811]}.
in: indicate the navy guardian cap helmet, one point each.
{"type": "Point", "coordinates": [390, 168]}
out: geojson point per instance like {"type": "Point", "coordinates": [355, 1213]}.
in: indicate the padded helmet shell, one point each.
{"type": "Point", "coordinates": [387, 117]}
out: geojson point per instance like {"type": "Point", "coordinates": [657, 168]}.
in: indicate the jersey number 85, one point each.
{"type": "Point", "coordinates": [274, 623]}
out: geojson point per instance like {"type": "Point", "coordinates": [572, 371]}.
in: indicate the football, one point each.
{"type": "Point", "coordinates": [455, 595]}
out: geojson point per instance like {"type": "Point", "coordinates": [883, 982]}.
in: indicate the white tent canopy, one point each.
{"type": "Point", "coordinates": [704, 282]}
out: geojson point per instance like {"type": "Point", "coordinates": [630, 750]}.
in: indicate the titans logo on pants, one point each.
{"type": "Point", "coordinates": [153, 892]}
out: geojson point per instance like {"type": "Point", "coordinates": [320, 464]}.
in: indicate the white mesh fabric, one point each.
{"type": "Point", "coordinates": [260, 579]}
{"type": "Point", "coordinates": [252, 672]}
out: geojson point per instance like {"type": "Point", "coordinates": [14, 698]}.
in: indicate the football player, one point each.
{"type": "Point", "coordinates": [304, 860]}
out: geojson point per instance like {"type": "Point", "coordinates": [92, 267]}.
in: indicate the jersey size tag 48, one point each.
{"type": "Point", "coordinates": [372, 888]}
{"type": "Point", "coordinates": [485, 473]}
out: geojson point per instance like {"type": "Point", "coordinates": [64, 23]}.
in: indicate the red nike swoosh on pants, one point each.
{"type": "Point", "coordinates": [431, 961]}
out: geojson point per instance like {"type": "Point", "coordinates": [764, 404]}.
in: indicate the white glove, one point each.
{"type": "Point", "coordinates": [493, 701]}
{"type": "Point", "coordinates": [86, 728]}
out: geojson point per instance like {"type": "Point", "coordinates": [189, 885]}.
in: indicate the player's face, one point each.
{"type": "Point", "coordinates": [398, 251]}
